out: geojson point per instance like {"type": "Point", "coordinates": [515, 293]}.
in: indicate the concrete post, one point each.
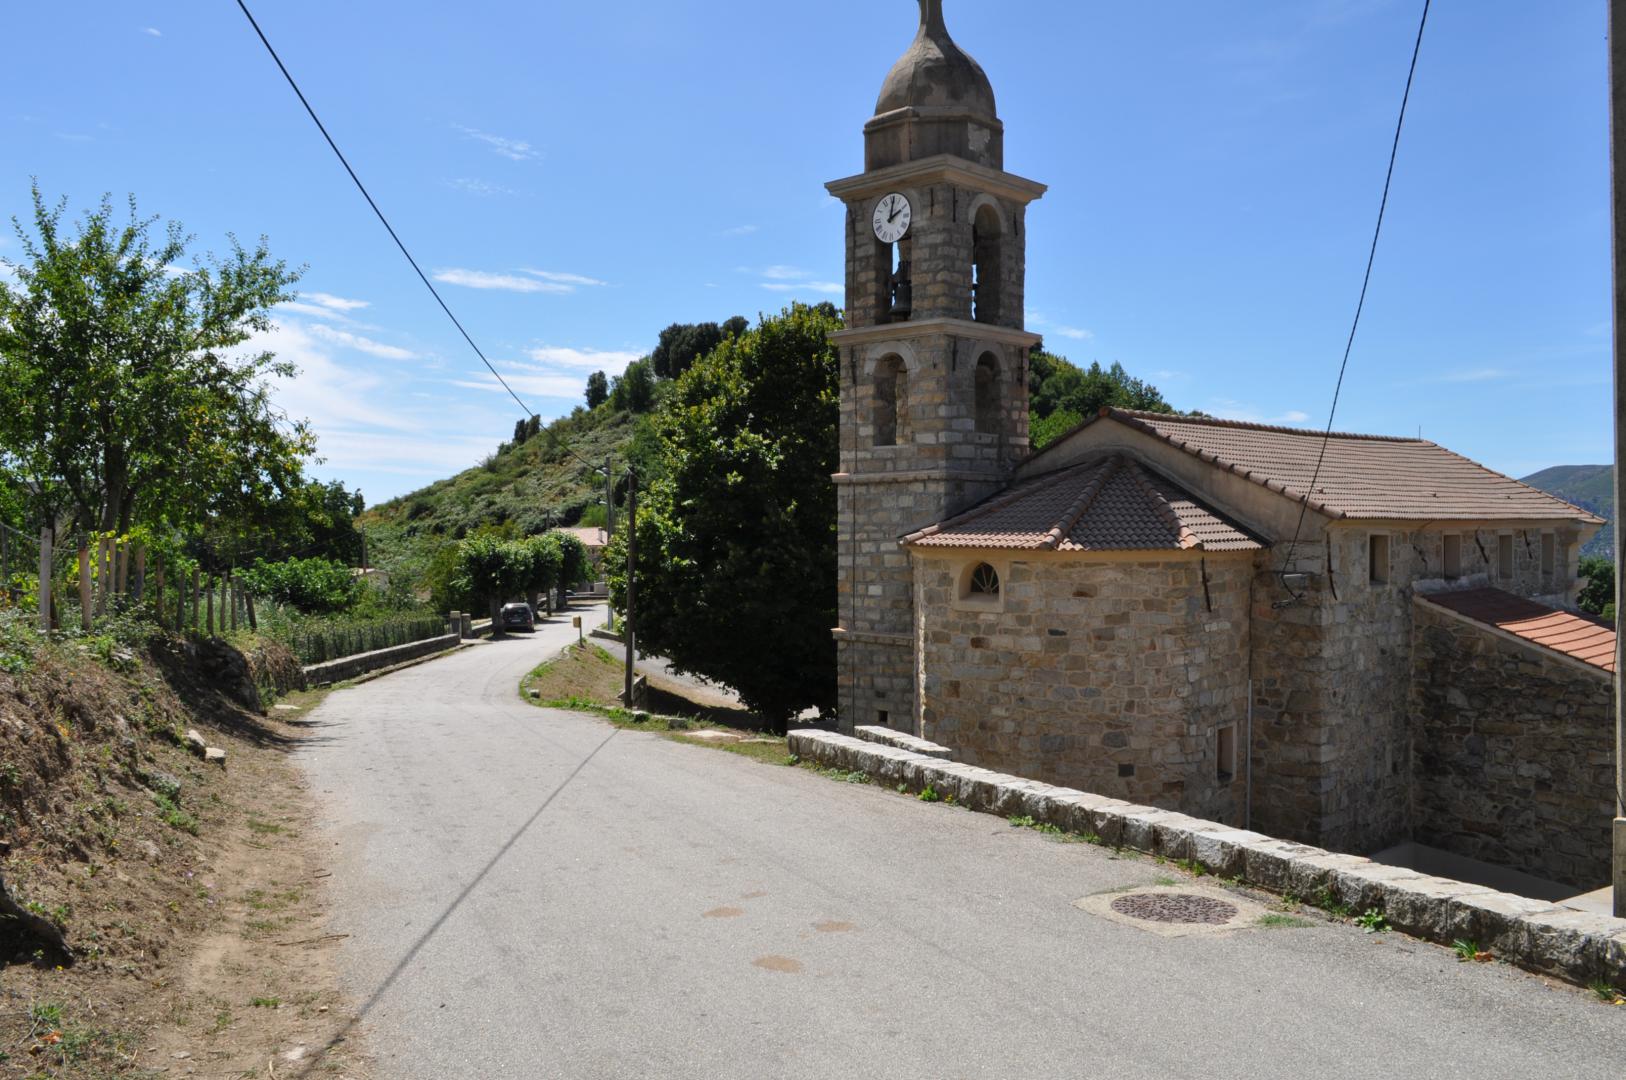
{"type": "Point", "coordinates": [45, 580]}
{"type": "Point", "coordinates": [1617, 151]}
{"type": "Point", "coordinates": [454, 620]}
{"type": "Point", "coordinates": [468, 626]}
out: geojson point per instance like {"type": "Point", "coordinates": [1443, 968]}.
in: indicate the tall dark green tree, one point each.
{"type": "Point", "coordinates": [1063, 395]}
{"type": "Point", "coordinates": [598, 389]}
{"type": "Point", "coordinates": [634, 390]}
{"type": "Point", "coordinates": [737, 538]}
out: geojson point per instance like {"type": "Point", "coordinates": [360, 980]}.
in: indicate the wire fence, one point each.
{"type": "Point", "coordinates": [83, 580]}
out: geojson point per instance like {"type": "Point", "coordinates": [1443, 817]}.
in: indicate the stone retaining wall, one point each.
{"type": "Point", "coordinates": [348, 667]}
{"type": "Point", "coordinates": [1514, 751]}
{"type": "Point", "coordinates": [1543, 937]}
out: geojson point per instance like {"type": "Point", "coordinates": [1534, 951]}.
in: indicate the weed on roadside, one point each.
{"type": "Point", "coordinates": [844, 776]}
{"type": "Point", "coordinates": [1277, 921]}
{"type": "Point", "coordinates": [1192, 867]}
{"type": "Point", "coordinates": [1468, 950]}
{"type": "Point", "coordinates": [1607, 994]}
{"type": "Point", "coordinates": [1372, 921]}
{"type": "Point", "coordinates": [1326, 901]}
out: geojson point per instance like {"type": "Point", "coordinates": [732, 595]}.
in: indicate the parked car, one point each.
{"type": "Point", "coordinates": [517, 617]}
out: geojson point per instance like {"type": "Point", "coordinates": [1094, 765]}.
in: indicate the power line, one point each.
{"type": "Point", "coordinates": [1371, 260]}
{"type": "Point", "coordinates": [384, 220]}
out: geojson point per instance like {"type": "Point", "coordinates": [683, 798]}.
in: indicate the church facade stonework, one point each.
{"type": "Point", "coordinates": [1200, 615]}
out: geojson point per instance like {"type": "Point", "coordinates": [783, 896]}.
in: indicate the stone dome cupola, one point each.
{"type": "Point", "coordinates": [936, 100]}
{"type": "Point", "coordinates": [937, 73]}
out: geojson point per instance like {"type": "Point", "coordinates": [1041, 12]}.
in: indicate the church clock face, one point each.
{"type": "Point", "coordinates": [892, 218]}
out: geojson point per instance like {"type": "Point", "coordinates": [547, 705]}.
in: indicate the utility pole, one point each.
{"type": "Point", "coordinates": [609, 501]}
{"type": "Point", "coordinates": [632, 574]}
{"type": "Point", "coordinates": [1617, 152]}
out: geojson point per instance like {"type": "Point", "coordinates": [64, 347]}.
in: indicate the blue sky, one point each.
{"type": "Point", "coordinates": [581, 175]}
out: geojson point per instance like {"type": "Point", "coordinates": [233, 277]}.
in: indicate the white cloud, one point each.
{"type": "Point", "coordinates": [1037, 321]}
{"type": "Point", "coordinates": [361, 344]}
{"type": "Point", "coordinates": [1229, 409]}
{"type": "Point", "coordinates": [298, 308]}
{"type": "Point", "coordinates": [742, 230]}
{"type": "Point", "coordinates": [482, 188]}
{"type": "Point", "coordinates": [335, 303]}
{"type": "Point", "coordinates": [1075, 333]}
{"type": "Point", "coordinates": [563, 279]}
{"type": "Point", "coordinates": [152, 31]}
{"type": "Point", "coordinates": [1473, 376]}
{"type": "Point", "coordinates": [539, 386]}
{"type": "Point", "coordinates": [480, 279]}
{"type": "Point", "coordinates": [784, 273]}
{"type": "Point", "coordinates": [512, 149]}
{"type": "Point", "coordinates": [609, 361]}
{"type": "Point", "coordinates": [333, 398]}
{"type": "Point", "coordinates": [829, 288]}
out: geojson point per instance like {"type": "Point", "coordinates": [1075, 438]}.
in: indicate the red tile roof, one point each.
{"type": "Point", "coordinates": [1362, 476]}
{"type": "Point", "coordinates": [1581, 637]}
{"type": "Point", "coordinates": [1113, 504]}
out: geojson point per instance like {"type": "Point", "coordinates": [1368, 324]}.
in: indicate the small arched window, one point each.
{"type": "Point", "coordinates": [987, 264]}
{"type": "Point", "coordinates": [984, 581]}
{"type": "Point", "coordinates": [890, 406]}
{"type": "Point", "coordinates": [987, 394]}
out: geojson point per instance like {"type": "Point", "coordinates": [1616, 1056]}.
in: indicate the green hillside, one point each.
{"type": "Point", "coordinates": [1591, 487]}
{"type": "Point", "coordinates": [524, 488]}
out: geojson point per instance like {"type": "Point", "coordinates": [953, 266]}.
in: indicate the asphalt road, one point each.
{"type": "Point", "coordinates": [533, 894]}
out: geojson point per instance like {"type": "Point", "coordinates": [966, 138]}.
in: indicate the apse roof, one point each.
{"type": "Point", "coordinates": [1112, 504]}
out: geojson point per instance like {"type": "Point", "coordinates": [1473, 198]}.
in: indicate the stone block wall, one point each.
{"type": "Point", "coordinates": [1514, 752]}
{"type": "Point", "coordinates": [1111, 676]}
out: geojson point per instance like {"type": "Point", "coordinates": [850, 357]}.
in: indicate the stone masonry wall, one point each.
{"type": "Point", "coordinates": [1514, 752]}
{"type": "Point", "coordinates": [1109, 676]}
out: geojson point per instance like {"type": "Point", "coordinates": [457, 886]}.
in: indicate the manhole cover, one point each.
{"type": "Point", "coordinates": [1175, 908]}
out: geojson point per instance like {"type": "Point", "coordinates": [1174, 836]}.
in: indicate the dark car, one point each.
{"type": "Point", "coordinates": [517, 617]}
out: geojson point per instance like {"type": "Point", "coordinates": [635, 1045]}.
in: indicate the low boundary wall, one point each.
{"type": "Point", "coordinates": [348, 667]}
{"type": "Point", "coordinates": [1577, 945]}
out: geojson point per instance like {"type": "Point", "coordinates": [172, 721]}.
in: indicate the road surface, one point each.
{"type": "Point", "coordinates": [533, 894]}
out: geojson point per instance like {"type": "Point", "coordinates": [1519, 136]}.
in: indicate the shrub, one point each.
{"type": "Point", "coordinates": [312, 586]}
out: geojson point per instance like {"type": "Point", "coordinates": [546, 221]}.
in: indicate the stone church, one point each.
{"type": "Point", "coordinates": [1155, 607]}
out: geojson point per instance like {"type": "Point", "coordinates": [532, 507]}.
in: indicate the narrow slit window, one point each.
{"type": "Point", "coordinates": [1453, 557]}
{"type": "Point", "coordinates": [1225, 753]}
{"type": "Point", "coordinates": [1377, 551]}
{"type": "Point", "coordinates": [882, 717]}
{"type": "Point", "coordinates": [1504, 556]}
{"type": "Point", "coordinates": [1549, 554]}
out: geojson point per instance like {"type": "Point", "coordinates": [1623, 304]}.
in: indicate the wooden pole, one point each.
{"type": "Point", "coordinates": [1617, 152]}
{"type": "Point", "coordinates": [248, 605]}
{"type": "Point", "coordinates": [632, 579]}
{"type": "Point", "coordinates": [84, 586]}
{"type": "Point", "coordinates": [209, 602]}
{"type": "Point", "coordinates": [121, 563]}
{"type": "Point", "coordinates": [140, 587]}
{"type": "Point", "coordinates": [45, 580]}
{"type": "Point", "coordinates": [231, 590]}
{"type": "Point", "coordinates": [158, 596]}
{"type": "Point", "coordinates": [197, 600]}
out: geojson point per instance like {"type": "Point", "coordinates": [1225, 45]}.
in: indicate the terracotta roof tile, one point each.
{"type": "Point", "coordinates": [1363, 476]}
{"type": "Point", "coordinates": [1113, 504]}
{"type": "Point", "coordinates": [1581, 637]}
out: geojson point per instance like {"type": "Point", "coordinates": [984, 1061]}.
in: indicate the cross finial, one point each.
{"type": "Point", "coordinates": [931, 16]}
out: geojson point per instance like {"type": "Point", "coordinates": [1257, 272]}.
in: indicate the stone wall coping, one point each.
{"type": "Point", "coordinates": [1577, 945]}
{"type": "Point", "coordinates": [888, 737]}
{"type": "Point", "coordinates": [1422, 600]}
{"type": "Point", "coordinates": [348, 667]}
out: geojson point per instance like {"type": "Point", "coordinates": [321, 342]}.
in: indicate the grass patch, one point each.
{"type": "Point", "coordinates": [1278, 921]}
{"type": "Point", "coordinates": [171, 814]}
{"type": "Point", "coordinates": [587, 678]}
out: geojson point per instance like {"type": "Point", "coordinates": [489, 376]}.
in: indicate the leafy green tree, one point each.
{"type": "Point", "coordinates": [598, 389]}
{"type": "Point", "coordinates": [125, 396]}
{"type": "Point", "coordinates": [634, 391]}
{"type": "Point", "coordinates": [681, 344]}
{"type": "Point", "coordinates": [488, 570]}
{"type": "Point", "coordinates": [737, 537]}
{"type": "Point", "coordinates": [312, 586]}
{"type": "Point", "coordinates": [1598, 594]}
{"type": "Point", "coordinates": [1056, 384]}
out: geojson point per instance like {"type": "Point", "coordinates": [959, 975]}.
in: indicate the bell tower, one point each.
{"type": "Point", "coordinates": [934, 409]}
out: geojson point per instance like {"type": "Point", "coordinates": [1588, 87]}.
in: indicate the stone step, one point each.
{"type": "Point", "coordinates": [889, 737]}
